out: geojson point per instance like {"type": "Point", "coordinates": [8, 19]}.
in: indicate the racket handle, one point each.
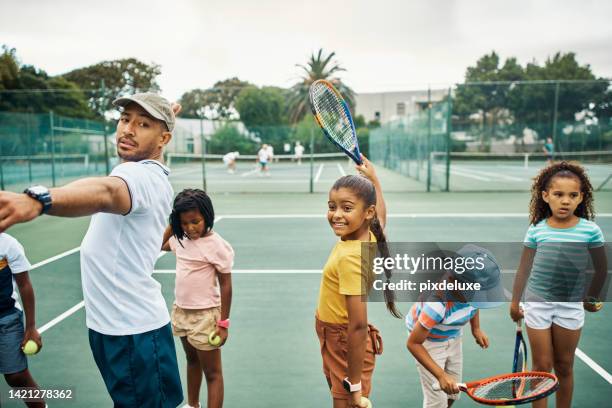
{"type": "Point", "coordinates": [436, 386]}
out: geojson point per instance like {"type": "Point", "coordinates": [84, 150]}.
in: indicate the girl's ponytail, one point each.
{"type": "Point", "coordinates": [383, 250]}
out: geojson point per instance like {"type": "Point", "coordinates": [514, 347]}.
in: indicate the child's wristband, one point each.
{"type": "Point", "coordinates": [224, 323]}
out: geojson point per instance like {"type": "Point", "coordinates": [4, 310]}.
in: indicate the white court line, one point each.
{"type": "Point", "coordinates": [414, 215]}
{"type": "Point", "coordinates": [61, 317]}
{"type": "Point", "coordinates": [248, 173]}
{"type": "Point", "coordinates": [594, 366]}
{"type": "Point", "coordinates": [55, 258]}
{"type": "Point", "coordinates": [461, 173]}
{"type": "Point", "coordinates": [489, 174]}
{"type": "Point", "coordinates": [251, 271]}
{"type": "Point", "coordinates": [319, 171]}
{"type": "Point", "coordinates": [341, 170]}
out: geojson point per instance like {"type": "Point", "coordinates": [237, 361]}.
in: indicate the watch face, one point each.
{"type": "Point", "coordinates": [38, 190]}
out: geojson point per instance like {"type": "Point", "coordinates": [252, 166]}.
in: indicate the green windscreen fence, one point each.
{"type": "Point", "coordinates": [470, 137]}
{"type": "Point", "coordinates": [49, 149]}
{"type": "Point", "coordinates": [498, 136]}
{"type": "Point", "coordinates": [407, 145]}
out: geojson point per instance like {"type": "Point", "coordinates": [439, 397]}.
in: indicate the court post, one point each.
{"type": "Point", "coordinates": [52, 128]}
{"type": "Point", "coordinates": [1, 170]}
{"type": "Point", "coordinates": [554, 129]}
{"type": "Point", "coordinates": [203, 148]}
{"type": "Point", "coordinates": [105, 135]}
{"type": "Point", "coordinates": [449, 123]}
{"type": "Point", "coordinates": [311, 161]}
{"type": "Point", "coordinates": [428, 139]}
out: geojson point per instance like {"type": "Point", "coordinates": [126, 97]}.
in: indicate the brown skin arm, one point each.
{"type": "Point", "coordinates": [26, 293]}
{"type": "Point", "coordinates": [80, 198]}
{"type": "Point", "coordinates": [481, 338]}
{"type": "Point", "coordinates": [417, 337]}
{"type": "Point", "coordinates": [167, 236]}
{"type": "Point", "coordinates": [225, 284]}
{"type": "Point", "coordinates": [357, 334]}
{"type": "Point", "coordinates": [520, 281]}
{"type": "Point", "coordinates": [600, 265]}
{"type": "Point", "coordinates": [367, 170]}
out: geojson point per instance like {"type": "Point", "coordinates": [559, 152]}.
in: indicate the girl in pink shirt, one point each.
{"type": "Point", "coordinates": [203, 291]}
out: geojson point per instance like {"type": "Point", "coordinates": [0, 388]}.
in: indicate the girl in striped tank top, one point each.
{"type": "Point", "coordinates": [558, 244]}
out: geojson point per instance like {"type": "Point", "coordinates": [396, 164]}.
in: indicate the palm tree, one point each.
{"type": "Point", "coordinates": [318, 66]}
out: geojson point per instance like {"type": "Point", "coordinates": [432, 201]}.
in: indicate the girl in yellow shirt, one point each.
{"type": "Point", "coordinates": [356, 214]}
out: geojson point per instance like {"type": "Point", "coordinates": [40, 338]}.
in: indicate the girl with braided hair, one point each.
{"type": "Point", "coordinates": [357, 214]}
{"type": "Point", "coordinates": [560, 239]}
{"type": "Point", "coordinates": [203, 291]}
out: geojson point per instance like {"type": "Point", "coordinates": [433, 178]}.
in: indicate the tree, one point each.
{"type": "Point", "coordinates": [228, 139]}
{"type": "Point", "coordinates": [508, 98]}
{"type": "Point", "coordinates": [48, 93]}
{"type": "Point", "coordinates": [217, 102]}
{"type": "Point", "coordinates": [263, 112]}
{"type": "Point", "coordinates": [124, 76]}
{"type": "Point", "coordinates": [318, 66]}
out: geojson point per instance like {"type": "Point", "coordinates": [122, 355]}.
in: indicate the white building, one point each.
{"type": "Point", "coordinates": [186, 134]}
{"type": "Point", "coordinates": [388, 106]}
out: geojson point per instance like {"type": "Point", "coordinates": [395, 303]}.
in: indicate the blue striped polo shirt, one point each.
{"type": "Point", "coordinates": [444, 320]}
{"type": "Point", "coordinates": [561, 259]}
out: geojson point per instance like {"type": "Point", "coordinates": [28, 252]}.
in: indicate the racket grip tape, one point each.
{"type": "Point", "coordinates": [436, 386]}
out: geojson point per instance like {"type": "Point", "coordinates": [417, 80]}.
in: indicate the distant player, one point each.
{"type": "Point", "coordinates": [549, 150]}
{"type": "Point", "coordinates": [230, 161]}
{"type": "Point", "coordinates": [263, 156]}
{"type": "Point", "coordinates": [270, 153]}
{"type": "Point", "coordinates": [299, 152]}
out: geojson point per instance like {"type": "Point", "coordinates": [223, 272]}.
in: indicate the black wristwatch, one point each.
{"type": "Point", "coordinates": [40, 194]}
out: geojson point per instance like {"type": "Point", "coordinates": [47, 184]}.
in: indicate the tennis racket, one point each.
{"type": "Point", "coordinates": [334, 117]}
{"type": "Point", "coordinates": [499, 390]}
{"type": "Point", "coordinates": [519, 362]}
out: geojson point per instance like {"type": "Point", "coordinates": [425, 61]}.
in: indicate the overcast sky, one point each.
{"type": "Point", "coordinates": [384, 44]}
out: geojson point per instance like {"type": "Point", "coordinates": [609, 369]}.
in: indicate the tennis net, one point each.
{"type": "Point", "coordinates": [510, 171]}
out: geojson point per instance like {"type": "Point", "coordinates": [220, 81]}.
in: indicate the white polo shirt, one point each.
{"type": "Point", "coordinates": [118, 255]}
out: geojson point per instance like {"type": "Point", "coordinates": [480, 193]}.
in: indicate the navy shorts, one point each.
{"type": "Point", "coordinates": [139, 370]}
{"type": "Point", "coordinates": [12, 359]}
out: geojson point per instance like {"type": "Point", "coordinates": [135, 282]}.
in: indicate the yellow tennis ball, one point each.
{"type": "Point", "coordinates": [366, 403]}
{"type": "Point", "coordinates": [30, 348]}
{"type": "Point", "coordinates": [213, 339]}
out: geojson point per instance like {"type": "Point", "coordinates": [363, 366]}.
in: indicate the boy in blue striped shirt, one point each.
{"type": "Point", "coordinates": [436, 326]}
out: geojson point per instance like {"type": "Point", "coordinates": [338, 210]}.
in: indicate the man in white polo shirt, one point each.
{"type": "Point", "coordinates": [129, 324]}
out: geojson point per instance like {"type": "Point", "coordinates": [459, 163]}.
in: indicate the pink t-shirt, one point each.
{"type": "Point", "coordinates": [197, 263]}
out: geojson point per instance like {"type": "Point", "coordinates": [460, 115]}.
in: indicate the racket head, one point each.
{"type": "Point", "coordinates": [333, 115]}
{"type": "Point", "coordinates": [499, 390]}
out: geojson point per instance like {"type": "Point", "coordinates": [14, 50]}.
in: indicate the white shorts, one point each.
{"type": "Point", "coordinates": [542, 315]}
{"type": "Point", "coordinates": [448, 355]}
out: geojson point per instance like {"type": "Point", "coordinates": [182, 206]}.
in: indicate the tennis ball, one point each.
{"type": "Point", "coordinates": [365, 403]}
{"type": "Point", "coordinates": [30, 348]}
{"type": "Point", "coordinates": [213, 339]}
{"type": "Point", "coordinates": [594, 303]}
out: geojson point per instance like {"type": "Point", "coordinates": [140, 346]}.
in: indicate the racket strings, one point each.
{"type": "Point", "coordinates": [330, 111]}
{"type": "Point", "coordinates": [505, 388]}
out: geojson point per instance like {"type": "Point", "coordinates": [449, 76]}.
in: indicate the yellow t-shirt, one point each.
{"type": "Point", "coordinates": [342, 276]}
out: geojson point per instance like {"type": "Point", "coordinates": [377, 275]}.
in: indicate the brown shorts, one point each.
{"type": "Point", "coordinates": [196, 325]}
{"type": "Point", "coordinates": [334, 348]}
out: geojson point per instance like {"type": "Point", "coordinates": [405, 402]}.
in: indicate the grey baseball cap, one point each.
{"type": "Point", "coordinates": [154, 104]}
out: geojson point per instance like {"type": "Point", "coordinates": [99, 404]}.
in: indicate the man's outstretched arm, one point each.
{"type": "Point", "coordinates": [82, 197]}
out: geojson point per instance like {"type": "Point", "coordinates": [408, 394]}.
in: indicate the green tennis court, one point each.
{"type": "Point", "coordinates": [281, 242]}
